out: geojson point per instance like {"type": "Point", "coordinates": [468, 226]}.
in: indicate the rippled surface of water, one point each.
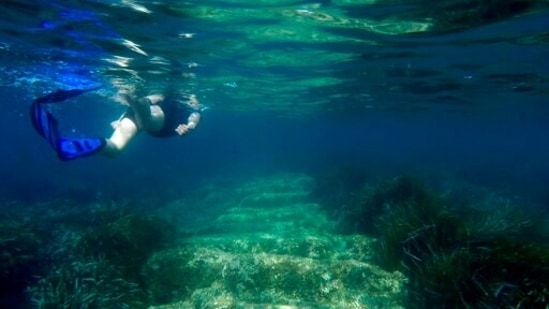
{"type": "Point", "coordinates": [293, 57]}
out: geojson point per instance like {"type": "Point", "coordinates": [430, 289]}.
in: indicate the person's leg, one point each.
{"type": "Point", "coordinates": [126, 129]}
{"type": "Point", "coordinates": [148, 115]}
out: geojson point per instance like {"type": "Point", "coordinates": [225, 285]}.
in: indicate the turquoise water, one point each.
{"type": "Point", "coordinates": [353, 154]}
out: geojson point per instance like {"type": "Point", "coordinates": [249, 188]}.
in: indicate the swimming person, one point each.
{"type": "Point", "coordinates": [155, 114]}
{"type": "Point", "coordinates": [159, 115]}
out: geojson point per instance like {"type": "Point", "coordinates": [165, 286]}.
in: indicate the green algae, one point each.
{"type": "Point", "coordinates": [19, 256]}
{"type": "Point", "coordinates": [477, 255]}
{"type": "Point", "coordinates": [126, 242]}
{"type": "Point", "coordinates": [93, 256]}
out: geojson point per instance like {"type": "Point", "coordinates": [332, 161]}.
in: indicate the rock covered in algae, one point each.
{"type": "Point", "coordinates": [274, 249]}
{"type": "Point", "coordinates": [207, 276]}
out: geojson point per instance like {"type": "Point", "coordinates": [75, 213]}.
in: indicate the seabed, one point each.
{"type": "Point", "coordinates": [274, 242]}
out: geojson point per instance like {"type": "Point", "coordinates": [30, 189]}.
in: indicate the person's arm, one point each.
{"type": "Point", "coordinates": [192, 122]}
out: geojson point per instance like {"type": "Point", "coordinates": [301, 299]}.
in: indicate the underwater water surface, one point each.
{"type": "Point", "coordinates": [353, 154]}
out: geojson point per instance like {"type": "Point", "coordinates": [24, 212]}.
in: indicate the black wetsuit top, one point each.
{"type": "Point", "coordinates": [175, 114]}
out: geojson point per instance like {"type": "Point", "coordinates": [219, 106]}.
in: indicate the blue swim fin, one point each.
{"type": "Point", "coordinates": [74, 148]}
{"type": "Point", "coordinates": [44, 123]}
{"type": "Point", "coordinates": [67, 148]}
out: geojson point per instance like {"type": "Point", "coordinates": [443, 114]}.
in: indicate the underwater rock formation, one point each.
{"type": "Point", "coordinates": [273, 248]}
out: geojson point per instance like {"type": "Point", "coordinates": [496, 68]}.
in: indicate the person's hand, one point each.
{"type": "Point", "coordinates": [183, 129]}
{"type": "Point", "coordinates": [194, 103]}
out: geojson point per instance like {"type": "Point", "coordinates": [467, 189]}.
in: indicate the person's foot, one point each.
{"type": "Point", "coordinates": [124, 97]}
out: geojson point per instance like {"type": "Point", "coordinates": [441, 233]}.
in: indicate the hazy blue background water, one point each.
{"type": "Point", "coordinates": [395, 87]}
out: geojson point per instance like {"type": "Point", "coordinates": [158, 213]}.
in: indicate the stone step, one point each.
{"type": "Point", "coordinates": [308, 211]}
{"type": "Point", "coordinates": [201, 277]}
{"type": "Point", "coordinates": [279, 183]}
{"type": "Point", "coordinates": [270, 199]}
{"type": "Point", "coordinates": [274, 191]}
{"type": "Point", "coordinates": [307, 245]}
{"type": "Point", "coordinates": [284, 220]}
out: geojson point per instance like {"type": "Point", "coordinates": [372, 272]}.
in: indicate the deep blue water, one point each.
{"type": "Point", "coordinates": [290, 86]}
{"type": "Point", "coordinates": [469, 101]}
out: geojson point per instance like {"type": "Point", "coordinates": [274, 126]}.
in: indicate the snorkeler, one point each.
{"type": "Point", "coordinates": [158, 115]}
